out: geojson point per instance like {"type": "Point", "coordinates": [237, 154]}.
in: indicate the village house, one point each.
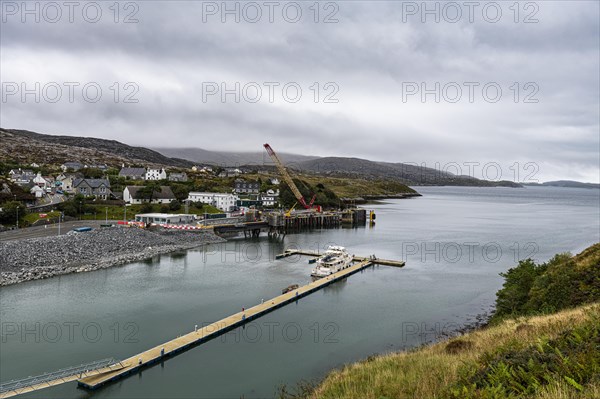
{"type": "Point", "coordinates": [133, 173]}
{"type": "Point", "coordinates": [65, 181]}
{"type": "Point", "coordinates": [181, 177]}
{"type": "Point", "coordinates": [21, 176]}
{"type": "Point", "coordinates": [270, 198]}
{"type": "Point", "coordinates": [102, 167]}
{"type": "Point", "coordinates": [75, 166]}
{"type": "Point", "coordinates": [50, 181]}
{"type": "Point", "coordinates": [43, 181]}
{"type": "Point", "coordinates": [136, 195]}
{"type": "Point", "coordinates": [155, 174]}
{"type": "Point", "coordinates": [37, 191]}
{"type": "Point", "coordinates": [245, 187]}
{"type": "Point", "coordinates": [204, 169]}
{"type": "Point", "coordinates": [223, 201]}
{"type": "Point", "coordinates": [230, 172]}
{"type": "Point", "coordinates": [99, 188]}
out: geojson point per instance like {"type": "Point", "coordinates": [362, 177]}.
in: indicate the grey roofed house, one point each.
{"type": "Point", "coordinates": [178, 176]}
{"type": "Point", "coordinates": [99, 166]}
{"type": "Point", "coordinates": [135, 195]}
{"type": "Point", "coordinates": [21, 172]}
{"type": "Point", "coordinates": [21, 176]}
{"type": "Point", "coordinates": [96, 187]}
{"type": "Point", "coordinates": [133, 173]}
{"type": "Point", "coordinates": [72, 165]}
{"type": "Point", "coordinates": [246, 187]}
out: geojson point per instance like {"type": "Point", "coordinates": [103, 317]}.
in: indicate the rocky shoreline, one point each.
{"type": "Point", "coordinates": [39, 258]}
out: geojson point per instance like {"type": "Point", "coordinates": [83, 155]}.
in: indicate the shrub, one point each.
{"type": "Point", "coordinates": [564, 281]}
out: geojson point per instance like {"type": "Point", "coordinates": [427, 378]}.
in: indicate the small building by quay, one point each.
{"type": "Point", "coordinates": [164, 218]}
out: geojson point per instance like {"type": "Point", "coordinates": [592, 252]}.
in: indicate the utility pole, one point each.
{"type": "Point", "coordinates": [106, 214]}
{"type": "Point", "coordinates": [15, 195]}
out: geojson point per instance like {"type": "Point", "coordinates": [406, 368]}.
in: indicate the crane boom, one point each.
{"type": "Point", "coordinates": [286, 176]}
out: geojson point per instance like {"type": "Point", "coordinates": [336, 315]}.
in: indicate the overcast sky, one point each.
{"type": "Point", "coordinates": [365, 64]}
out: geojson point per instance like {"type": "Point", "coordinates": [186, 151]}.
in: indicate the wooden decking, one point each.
{"type": "Point", "coordinates": [375, 261]}
{"type": "Point", "coordinates": [171, 348]}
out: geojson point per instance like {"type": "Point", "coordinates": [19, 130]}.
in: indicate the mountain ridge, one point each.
{"type": "Point", "coordinates": [25, 146]}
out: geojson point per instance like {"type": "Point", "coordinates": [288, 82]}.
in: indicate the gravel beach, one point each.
{"type": "Point", "coordinates": [38, 258]}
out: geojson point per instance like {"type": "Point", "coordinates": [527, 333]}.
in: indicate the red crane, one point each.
{"type": "Point", "coordinates": [288, 179]}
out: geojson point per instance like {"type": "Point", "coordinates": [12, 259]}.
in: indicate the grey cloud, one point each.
{"type": "Point", "coordinates": [369, 54]}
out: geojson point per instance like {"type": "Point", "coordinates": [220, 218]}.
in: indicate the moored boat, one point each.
{"type": "Point", "coordinates": [336, 258]}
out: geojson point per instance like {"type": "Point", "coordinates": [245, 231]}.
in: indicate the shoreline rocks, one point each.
{"type": "Point", "coordinates": [39, 258]}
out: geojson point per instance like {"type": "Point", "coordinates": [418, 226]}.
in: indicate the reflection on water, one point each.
{"type": "Point", "coordinates": [376, 310]}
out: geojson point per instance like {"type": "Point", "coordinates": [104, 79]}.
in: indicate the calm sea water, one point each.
{"type": "Point", "coordinates": [455, 242]}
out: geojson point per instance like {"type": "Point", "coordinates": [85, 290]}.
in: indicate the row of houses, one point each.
{"type": "Point", "coordinates": [224, 201]}
{"type": "Point", "coordinates": [76, 166]}
{"type": "Point", "coordinates": [151, 174]}
{"type": "Point", "coordinates": [73, 183]}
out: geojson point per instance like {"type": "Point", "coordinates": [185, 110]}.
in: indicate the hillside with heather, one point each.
{"type": "Point", "coordinates": [24, 147]}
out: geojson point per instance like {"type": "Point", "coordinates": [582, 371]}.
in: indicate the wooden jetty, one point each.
{"type": "Point", "coordinates": [95, 379]}
{"type": "Point", "coordinates": [168, 349]}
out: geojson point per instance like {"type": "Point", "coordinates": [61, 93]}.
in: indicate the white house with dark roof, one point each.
{"type": "Point", "coordinates": [37, 191]}
{"type": "Point", "coordinates": [270, 198]}
{"type": "Point", "coordinates": [156, 174]}
{"type": "Point", "coordinates": [41, 181]}
{"type": "Point", "coordinates": [136, 195]}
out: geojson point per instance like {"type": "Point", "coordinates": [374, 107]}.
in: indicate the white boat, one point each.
{"type": "Point", "coordinates": [336, 258]}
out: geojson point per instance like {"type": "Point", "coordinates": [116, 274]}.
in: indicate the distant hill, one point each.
{"type": "Point", "coordinates": [226, 158]}
{"type": "Point", "coordinates": [404, 173]}
{"type": "Point", "coordinates": [26, 147]}
{"type": "Point", "coordinates": [570, 183]}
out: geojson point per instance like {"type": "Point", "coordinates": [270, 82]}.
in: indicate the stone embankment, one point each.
{"type": "Point", "coordinates": [38, 258]}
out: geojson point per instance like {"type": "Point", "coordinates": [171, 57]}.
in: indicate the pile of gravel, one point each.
{"type": "Point", "coordinates": [37, 258]}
